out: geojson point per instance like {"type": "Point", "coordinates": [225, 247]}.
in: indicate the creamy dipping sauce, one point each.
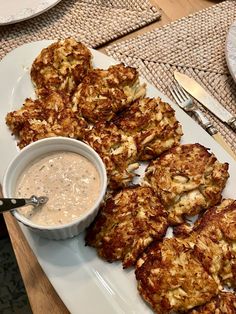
{"type": "Point", "coordinates": [69, 180]}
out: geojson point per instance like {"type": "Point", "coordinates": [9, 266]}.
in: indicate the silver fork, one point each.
{"type": "Point", "coordinates": [184, 101]}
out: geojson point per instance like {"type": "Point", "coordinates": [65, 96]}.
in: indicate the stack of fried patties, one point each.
{"type": "Point", "coordinates": [107, 109]}
{"type": "Point", "coordinates": [104, 107]}
{"type": "Point", "coordinates": [190, 270]}
{"type": "Point", "coordinates": [188, 273]}
{"type": "Point", "coordinates": [55, 74]}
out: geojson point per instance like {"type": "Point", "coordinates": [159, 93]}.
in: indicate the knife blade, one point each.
{"type": "Point", "coordinates": [205, 98]}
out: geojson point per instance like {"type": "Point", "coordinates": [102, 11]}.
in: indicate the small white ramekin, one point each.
{"type": "Point", "coordinates": [35, 151]}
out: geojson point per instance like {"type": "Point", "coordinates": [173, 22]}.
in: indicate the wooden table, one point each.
{"type": "Point", "coordinates": [42, 296]}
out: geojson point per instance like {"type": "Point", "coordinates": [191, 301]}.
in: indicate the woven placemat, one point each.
{"type": "Point", "coordinates": [194, 45]}
{"type": "Point", "coordinates": [93, 22]}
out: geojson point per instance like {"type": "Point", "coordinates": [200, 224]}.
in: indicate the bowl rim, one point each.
{"type": "Point", "coordinates": [58, 140]}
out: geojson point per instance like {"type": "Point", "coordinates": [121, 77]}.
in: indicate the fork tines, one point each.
{"type": "Point", "coordinates": [178, 93]}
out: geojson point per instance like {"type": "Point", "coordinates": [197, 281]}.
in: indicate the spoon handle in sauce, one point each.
{"type": "Point", "coordinates": [7, 204]}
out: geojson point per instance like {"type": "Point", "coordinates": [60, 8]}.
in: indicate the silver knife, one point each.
{"type": "Point", "coordinates": [199, 93]}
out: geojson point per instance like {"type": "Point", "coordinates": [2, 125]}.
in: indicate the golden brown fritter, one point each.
{"type": "Point", "coordinates": [214, 238]}
{"type": "Point", "coordinates": [60, 67]}
{"type": "Point", "coordinates": [103, 93]}
{"type": "Point", "coordinates": [223, 303]}
{"type": "Point", "coordinates": [128, 222]}
{"type": "Point", "coordinates": [153, 125]}
{"type": "Point", "coordinates": [117, 150]}
{"type": "Point", "coordinates": [171, 274]}
{"type": "Point", "coordinates": [188, 179]}
{"type": "Point", "coordinates": [45, 117]}
{"type": "Point", "coordinates": [171, 279]}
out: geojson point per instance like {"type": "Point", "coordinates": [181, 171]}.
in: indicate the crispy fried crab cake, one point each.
{"type": "Point", "coordinates": [103, 93]}
{"type": "Point", "coordinates": [213, 238]}
{"type": "Point", "coordinates": [188, 179]}
{"type": "Point", "coordinates": [223, 303]}
{"type": "Point", "coordinates": [128, 222]}
{"type": "Point", "coordinates": [117, 150]}
{"type": "Point", "coordinates": [60, 67]}
{"type": "Point", "coordinates": [180, 274]}
{"type": "Point", "coordinates": [45, 117]}
{"type": "Point", "coordinates": [153, 125]}
{"type": "Point", "coordinates": [171, 279]}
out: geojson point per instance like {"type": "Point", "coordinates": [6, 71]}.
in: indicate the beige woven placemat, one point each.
{"type": "Point", "coordinates": [93, 22]}
{"type": "Point", "coordinates": [194, 45]}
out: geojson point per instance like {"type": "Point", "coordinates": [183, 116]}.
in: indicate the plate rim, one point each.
{"type": "Point", "coordinates": [28, 13]}
{"type": "Point", "coordinates": [228, 47]}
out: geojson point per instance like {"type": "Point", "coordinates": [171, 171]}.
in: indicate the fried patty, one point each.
{"type": "Point", "coordinates": [153, 125]}
{"type": "Point", "coordinates": [117, 150]}
{"type": "Point", "coordinates": [223, 303]}
{"type": "Point", "coordinates": [60, 67]}
{"type": "Point", "coordinates": [103, 93]}
{"type": "Point", "coordinates": [171, 279]}
{"type": "Point", "coordinates": [214, 236]}
{"type": "Point", "coordinates": [182, 273]}
{"type": "Point", "coordinates": [188, 179]}
{"type": "Point", "coordinates": [45, 117]}
{"type": "Point", "coordinates": [127, 223]}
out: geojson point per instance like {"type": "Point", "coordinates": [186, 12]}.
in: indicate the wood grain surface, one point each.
{"type": "Point", "coordinates": [42, 296]}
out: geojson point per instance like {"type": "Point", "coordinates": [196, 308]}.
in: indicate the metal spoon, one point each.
{"type": "Point", "coordinates": [12, 203]}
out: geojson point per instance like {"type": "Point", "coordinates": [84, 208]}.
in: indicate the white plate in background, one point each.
{"type": "Point", "coordinates": [230, 50]}
{"type": "Point", "coordinates": [85, 283]}
{"type": "Point", "coordinates": [13, 11]}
